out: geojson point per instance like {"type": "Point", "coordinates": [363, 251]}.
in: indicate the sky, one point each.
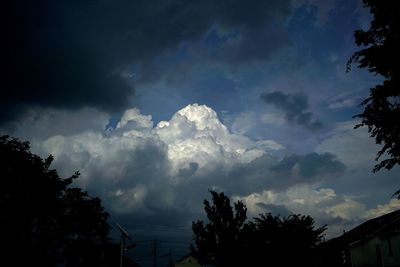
{"type": "Point", "coordinates": [157, 102]}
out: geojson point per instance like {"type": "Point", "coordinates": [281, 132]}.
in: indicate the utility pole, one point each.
{"type": "Point", "coordinates": [124, 235]}
{"type": "Point", "coordinates": [121, 260]}
{"type": "Point", "coordinates": [170, 258]}
{"type": "Point", "coordinates": [154, 253]}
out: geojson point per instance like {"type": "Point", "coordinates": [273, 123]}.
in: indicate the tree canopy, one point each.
{"type": "Point", "coordinates": [229, 240]}
{"type": "Point", "coordinates": [219, 242]}
{"type": "Point", "coordinates": [380, 56]}
{"type": "Point", "coordinates": [284, 241]}
{"type": "Point", "coordinates": [43, 220]}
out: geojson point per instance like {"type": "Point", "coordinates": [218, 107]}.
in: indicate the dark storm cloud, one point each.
{"type": "Point", "coordinates": [294, 106]}
{"type": "Point", "coordinates": [71, 54]}
{"type": "Point", "coordinates": [254, 44]}
{"type": "Point", "coordinates": [310, 165]}
{"type": "Point", "coordinates": [267, 172]}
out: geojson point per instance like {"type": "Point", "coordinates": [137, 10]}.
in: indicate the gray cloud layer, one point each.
{"type": "Point", "coordinates": [310, 165]}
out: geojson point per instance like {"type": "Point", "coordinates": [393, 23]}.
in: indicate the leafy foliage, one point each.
{"type": "Point", "coordinates": [218, 242]}
{"type": "Point", "coordinates": [285, 241]}
{"type": "Point", "coordinates": [41, 217]}
{"type": "Point", "coordinates": [228, 240]}
{"type": "Point", "coordinates": [381, 57]}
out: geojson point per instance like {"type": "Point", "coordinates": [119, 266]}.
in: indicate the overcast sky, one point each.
{"type": "Point", "coordinates": [156, 102]}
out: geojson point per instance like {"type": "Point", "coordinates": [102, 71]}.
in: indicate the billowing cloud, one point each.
{"type": "Point", "coordinates": [140, 162]}
{"type": "Point", "coordinates": [295, 108]}
{"type": "Point", "coordinates": [150, 171]}
{"type": "Point", "coordinates": [159, 174]}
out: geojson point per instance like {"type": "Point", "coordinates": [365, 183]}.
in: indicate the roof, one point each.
{"type": "Point", "coordinates": [185, 257]}
{"type": "Point", "coordinates": [378, 226]}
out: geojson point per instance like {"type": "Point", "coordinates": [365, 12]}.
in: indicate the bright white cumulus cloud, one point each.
{"type": "Point", "coordinates": [196, 135]}
{"type": "Point", "coordinates": [136, 164]}
{"type": "Point", "coordinates": [162, 172]}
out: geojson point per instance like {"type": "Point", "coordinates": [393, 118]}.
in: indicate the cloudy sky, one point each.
{"type": "Point", "coordinates": [156, 102]}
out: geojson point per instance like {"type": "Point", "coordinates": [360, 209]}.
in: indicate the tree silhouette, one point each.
{"type": "Point", "coordinates": [228, 240]}
{"type": "Point", "coordinates": [219, 241]}
{"type": "Point", "coordinates": [381, 56]}
{"type": "Point", "coordinates": [44, 222]}
{"type": "Point", "coordinates": [286, 241]}
{"type": "Point", "coordinates": [85, 223]}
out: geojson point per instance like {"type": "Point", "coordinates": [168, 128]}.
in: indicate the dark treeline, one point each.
{"type": "Point", "coordinates": [43, 220]}
{"type": "Point", "coordinates": [229, 239]}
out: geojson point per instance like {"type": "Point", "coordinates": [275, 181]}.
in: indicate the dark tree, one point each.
{"type": "Point", "coordinates": [44, 222]}
{"type": "Point", "coordinates": [228, 240]}
{"type": "Point", "coordinates": [381, 56]}
{"type": "Point", "coordinates": [85, 223]}
{"type": "Point", "coordinates": [286, 241]}
{"type": "Point", "coordinates": [219, 241]}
